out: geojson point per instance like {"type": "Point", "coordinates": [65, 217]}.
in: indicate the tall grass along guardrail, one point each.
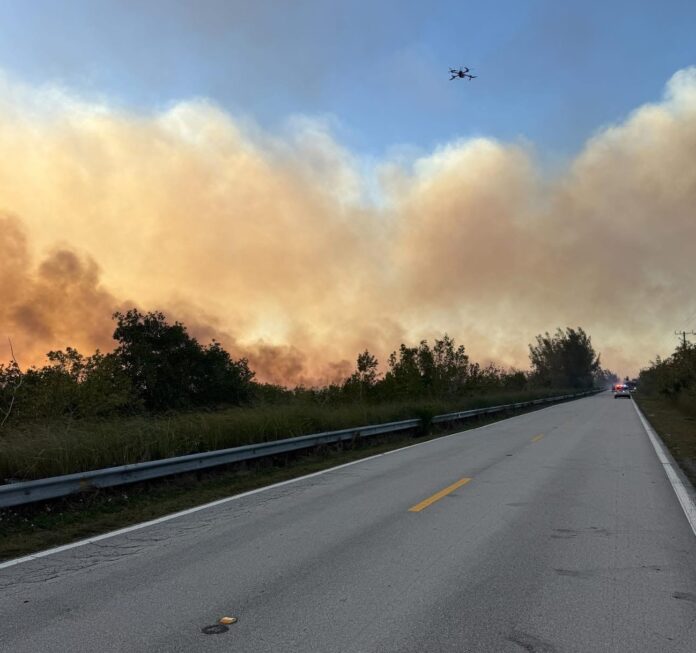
{"type": "Point", "coordinates": [14, 494]}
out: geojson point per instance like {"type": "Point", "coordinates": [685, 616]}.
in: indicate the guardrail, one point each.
{"type": "Point", "coordinates": [15, 494]}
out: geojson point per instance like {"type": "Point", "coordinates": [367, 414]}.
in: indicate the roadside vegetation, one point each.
{"type": "Point", "coordinates": [161, 393]}
{"type": "Point", "coordinates": [33, 527]}
{"type": "Point", "coordinates": [667, 395]}
{"type": "Point", "coordinates": [54, 447]}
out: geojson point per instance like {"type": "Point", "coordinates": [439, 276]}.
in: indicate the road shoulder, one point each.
{"type": "Point", "coordinates": [681, 485]}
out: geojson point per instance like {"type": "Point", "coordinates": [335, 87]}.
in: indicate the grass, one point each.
{"type": "Point", "coordinates": [35, 527]}
{"type": "Point", "coordinates": [52, 448]}
{"type": "Point", "coordinates": [675, 422]}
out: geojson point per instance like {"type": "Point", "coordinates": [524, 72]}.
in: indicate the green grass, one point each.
{"type": "Point", "coordinates": [52, 448]}
{"type": "Point", "coordinates": [39, 526]}
{"type": "Point", "coordinates": [675, 422]}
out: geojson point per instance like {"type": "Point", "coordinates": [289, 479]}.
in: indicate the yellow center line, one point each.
{"type": "Point", "coordinates": [438, 495]}
{"type": "Point", "coordinates": [536, 438]}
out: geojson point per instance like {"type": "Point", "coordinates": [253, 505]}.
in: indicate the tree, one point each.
{"type": "Point", "coordinates": [451, 367]}
{"type": "Point", "coordinates": [364, 379]}
{"type": "Point", "coordinates": [170, 369]}
{"type": "Point", "coordinates": [564, 360]}
{"type": "Point", "coordinates": [514, 380]}
{"type": "Point", "coordinates": [404, 376]}
{"type": "Point", "coordinates": [71, 385]}
{"type": "Point", "coordinates": [442, 370]}
{"type": "Point", "coordinates": [104, 388]}
{"type": "Point", "coordinates": [673, 377]}
{"type": "Point", "coordinates": [221, 379]}
{"type": "Point", "coordinates": [366, 368]}
{"type": "Point", "coordinates": [11, 381]}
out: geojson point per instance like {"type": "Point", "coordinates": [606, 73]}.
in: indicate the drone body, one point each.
{"type": "Point", "coordinates": [462, 73]}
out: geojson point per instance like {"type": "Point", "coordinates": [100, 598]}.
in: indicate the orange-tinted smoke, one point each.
{"type": "Point", "coordinates": [286, 250]}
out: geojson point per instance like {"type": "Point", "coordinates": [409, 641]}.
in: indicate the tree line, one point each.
{"type": "Point", "coordinates": [673, 378]}
{"type": "Point", "coordinates": [157, 366]}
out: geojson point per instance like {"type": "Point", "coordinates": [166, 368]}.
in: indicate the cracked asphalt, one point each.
{"type": "Point", "coordinates": [568, 537]}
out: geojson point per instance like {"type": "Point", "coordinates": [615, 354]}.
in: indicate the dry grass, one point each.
{"type": "Point", "coordinates": [676, 425]}
{"type": "Point", "coordinates": [43, 449]}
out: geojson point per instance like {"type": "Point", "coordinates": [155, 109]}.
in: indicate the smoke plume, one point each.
{"type": "Point", "coordinates": [289, 253]}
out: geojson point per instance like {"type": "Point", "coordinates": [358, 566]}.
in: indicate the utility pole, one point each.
{"type": "Point", "coordinates": [683, 334]}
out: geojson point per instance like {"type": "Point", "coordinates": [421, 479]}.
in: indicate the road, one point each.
{"type": "Point", "coordinates": [552, 531]}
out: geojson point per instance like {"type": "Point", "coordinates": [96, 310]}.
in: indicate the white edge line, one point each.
{"type": "Point", "coordinates": [674, 474]}
{"type": "Point", "coordinates": [234, 497]}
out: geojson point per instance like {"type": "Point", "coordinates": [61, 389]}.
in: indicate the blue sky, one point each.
{"type": "Point", "coordinates": [269, 189]}
{"type": "Point", "coordinates": [550, 72]}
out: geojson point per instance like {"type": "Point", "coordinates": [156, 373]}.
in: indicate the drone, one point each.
{"type": "Point", "coordinates": [462, 73]}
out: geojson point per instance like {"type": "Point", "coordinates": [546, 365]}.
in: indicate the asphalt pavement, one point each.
{"type": "Point", "coordinates": [552, 531]}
